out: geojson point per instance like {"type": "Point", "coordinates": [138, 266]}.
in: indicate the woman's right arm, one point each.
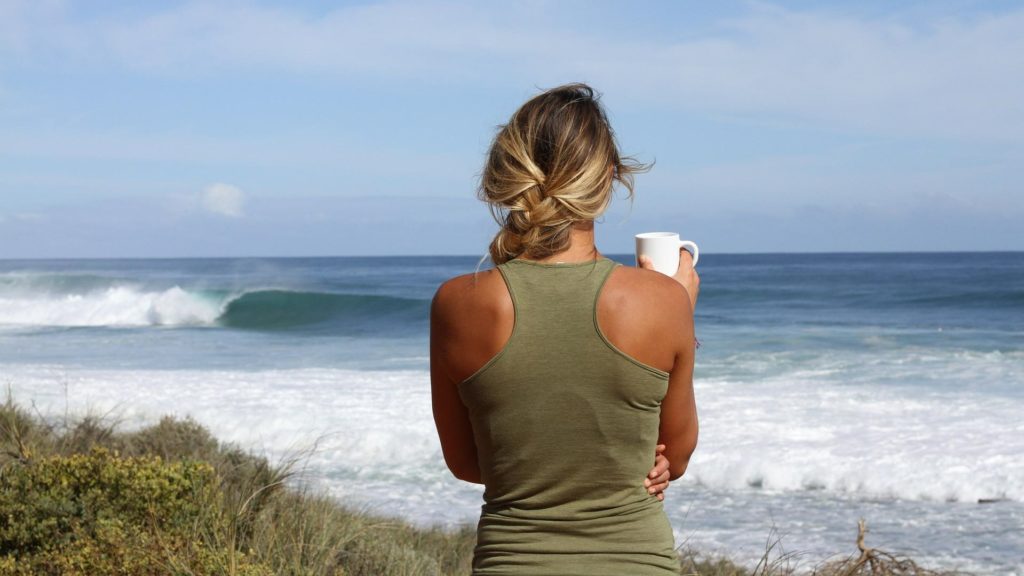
{"type": "Point", "coordinates": [454, 429]}
{"type": "Point", "coordinates": [678, 424]}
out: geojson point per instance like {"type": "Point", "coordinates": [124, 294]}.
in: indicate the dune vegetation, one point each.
{"type": "Point", "coordinates": [80, 497]}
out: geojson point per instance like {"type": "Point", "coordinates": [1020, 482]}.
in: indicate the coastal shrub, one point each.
{"type": "Point", "coordinates": [48, 499]}
{"type": "Point", "coordinates": [100, 513]}
{"type": "Point", "coordinates": [83, 498]}
{"type": "Point", "coordinates": [244, 506]}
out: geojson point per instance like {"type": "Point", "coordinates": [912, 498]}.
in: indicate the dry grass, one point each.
{"type": "Point", "coordinates": [277, 522]}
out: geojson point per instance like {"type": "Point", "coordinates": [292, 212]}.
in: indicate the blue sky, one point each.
{"type": "Point", "coordinates": [321, 128]}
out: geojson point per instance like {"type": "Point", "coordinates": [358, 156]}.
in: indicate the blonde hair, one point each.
{"type": "Point", "coordinates": [554, 164]}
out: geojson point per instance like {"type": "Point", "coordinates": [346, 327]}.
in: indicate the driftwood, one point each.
{"type": "Point", "coordinates": [874, 562]}
{"type": "Point", "coordinates": [775, 561]}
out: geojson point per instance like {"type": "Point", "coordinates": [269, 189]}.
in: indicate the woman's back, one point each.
{"type": "Point", "coordinates": [565, 424]}
{"type": "Point", "coordinates": [562, 419]}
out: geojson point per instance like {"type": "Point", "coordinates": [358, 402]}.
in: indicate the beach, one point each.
{"type": "Point", "coordinates": [830, 387]}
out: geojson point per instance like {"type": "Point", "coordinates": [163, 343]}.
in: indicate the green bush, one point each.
{"type": "Point", "coordinates": [81, 497]}
{"type": "Point", "coordinates": [99, 513]}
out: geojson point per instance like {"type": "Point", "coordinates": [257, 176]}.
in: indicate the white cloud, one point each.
{"type": "Point", "coordinates": [911, 73]}
{"type": "Point", "coordinates": [951, 76]}
{"type": "Point", "coordinates": [224, 199]}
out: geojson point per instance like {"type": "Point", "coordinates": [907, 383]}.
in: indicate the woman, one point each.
{"type": "Point", "coordinates": [559, 376]}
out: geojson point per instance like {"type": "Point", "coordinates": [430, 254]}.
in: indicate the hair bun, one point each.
{"type": "Point", "coordinates": [552, 165]}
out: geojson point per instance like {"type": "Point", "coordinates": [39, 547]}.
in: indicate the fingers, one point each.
{"type": "Point", "coordinates": [685, 259]}
{"type": "Point", "coordinates": [646, 263]}
{"type": "Point", "coordinates": [687, 275]}
{"type": "Point", "coordinates": [660, 466]}
{"type": "Point", "coordinates": [658, 488]}
{"type": "Point", "coordinates": [658, 479]}
{"type": "Point", "coordinates": [658, 475]}
{"type": "Point", "coordinates": [657, 485]}
{"type": "Point", "coordinates": [662, 475]}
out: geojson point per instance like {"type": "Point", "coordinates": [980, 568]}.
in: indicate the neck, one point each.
{"type": "Point", "coordinates": [581, 246]}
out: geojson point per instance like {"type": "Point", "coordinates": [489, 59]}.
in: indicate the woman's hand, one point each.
{"type": "Point", "coordinates": [686, 274]}
{"type": "Point", "coordinates": [657, 479]}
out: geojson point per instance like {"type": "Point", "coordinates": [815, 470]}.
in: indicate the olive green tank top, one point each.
{"type": "Point", "coordinates": [565, 427]}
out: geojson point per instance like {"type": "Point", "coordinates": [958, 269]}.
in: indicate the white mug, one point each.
{"type": "Point", "coordinates": [663, 250]}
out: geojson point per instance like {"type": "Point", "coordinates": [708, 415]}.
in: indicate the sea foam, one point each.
{"type": "Point", "coordinates": [791, 433]}
{"type": "Point", "coordinates": [77, 302]}
{"type": "Point", "coordinates": [113, 306]}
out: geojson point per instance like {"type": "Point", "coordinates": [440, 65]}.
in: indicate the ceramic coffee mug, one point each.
{"type": "Point", "coordinates": [663, 250]}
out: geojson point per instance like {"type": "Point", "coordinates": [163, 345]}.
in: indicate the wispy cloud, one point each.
{"type": "Point", "coordinates": [943, 77]}
{"type": "Point", "coordinates": [939, 76]}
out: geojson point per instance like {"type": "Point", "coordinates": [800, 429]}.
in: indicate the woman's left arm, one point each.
{"type": "Point", "coordinates": [451, 417]}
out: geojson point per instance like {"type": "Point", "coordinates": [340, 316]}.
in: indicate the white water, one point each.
{"type": "Point", "coordinates": [792, 449]}
{"type": "Point", "coordinates": [118, 305]}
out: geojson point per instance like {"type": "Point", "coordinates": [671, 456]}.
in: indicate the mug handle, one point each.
{"type": "Point", "coordinates": [691, 247]}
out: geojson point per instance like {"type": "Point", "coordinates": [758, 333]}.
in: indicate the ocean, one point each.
{"type": "Point", "coordinates": [830, 387]}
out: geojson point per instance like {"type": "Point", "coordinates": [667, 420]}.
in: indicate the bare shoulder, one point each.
{"type": "Point", "coordinates": [472, 317]}
{"type": "Point", "coordinates": [468, 292]}
{"type": "Point", "coordinates": [645, 314]}
{"type": "Point", "coordinates": [633, 288]}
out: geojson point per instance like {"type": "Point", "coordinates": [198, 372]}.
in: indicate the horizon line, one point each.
{"type": "Point", "coordinates": [324, 256]}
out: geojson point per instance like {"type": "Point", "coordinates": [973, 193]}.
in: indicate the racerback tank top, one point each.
{"type": "Point", "coordinates": [565, 427]}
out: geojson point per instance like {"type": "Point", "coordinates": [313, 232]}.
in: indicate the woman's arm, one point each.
{"type": "Point", "coordinates": [678, 428]}
{"type": "Point", "coordinates": [451, 418]}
